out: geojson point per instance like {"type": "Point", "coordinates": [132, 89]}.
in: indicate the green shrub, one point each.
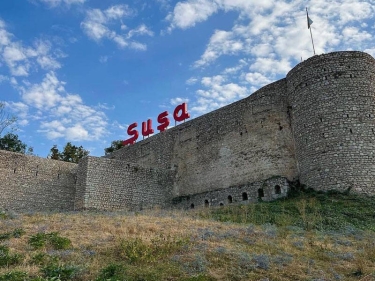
{"type": "Point", "coordinates": [38, 240]}
{"type": "Point", "coordinates": [39, 259]}
{"type": "Point", "coordinates": [13, 276]}
{"type": "Point", "coordinates": [200, 278]}
{"type": "Point", "coordinates": [6, 259]}
{"type": "Point", "coordinates": [58, 242]}
{"type": "Point", "coordinates": [46, 279]}
{"type": "Point", "coordinates": [18, 232]}
{"type": "Point", "coordinates": [60, 271]}
{"type": "Point", "coordinates": [5, 236]}
{"type": "Point", "coordinates": [53, 239]}
{"type": "Point", "coordinates": [112, 272]}
{"type": "Point", "coordinates": [135, 250]}
{"type": "Point", "coordinates": [3, 215]}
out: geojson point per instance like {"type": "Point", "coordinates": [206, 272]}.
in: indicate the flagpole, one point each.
{"type": "Point", "coordinates": [309, 26]}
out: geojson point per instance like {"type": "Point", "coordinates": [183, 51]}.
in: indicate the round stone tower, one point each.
{"type": "Point", "coordinates": [332, 107]}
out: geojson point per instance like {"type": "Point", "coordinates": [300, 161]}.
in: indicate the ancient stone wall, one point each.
{"type": "Point", "coordinates": [29, 183]}
{"type": "Point", "coordinates": [247, 141]}
{"type": "Point", "coordinates": [333, 118]}
{"type": "Point", "coordinates": [268, 190]}
{"type": "Point", "coordinates": [107, 184]}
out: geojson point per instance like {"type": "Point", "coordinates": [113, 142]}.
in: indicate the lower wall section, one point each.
{"type": "Point", "coordinates": [29, 183]}
{"type": "Point", "coordinates": [107, 184]}
{"type": "Point", "coordinates": [268, 190]}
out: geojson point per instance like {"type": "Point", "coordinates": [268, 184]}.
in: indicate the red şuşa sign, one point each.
{"type": "Point", "coordinates": [180, 114]}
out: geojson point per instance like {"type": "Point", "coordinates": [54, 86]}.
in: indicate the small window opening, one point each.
{"type": "Point", "coordinates": [244, 196]}
{"type": "Point", "coordinates": [260, 193]}
{"type": "Point", "coordinates": [321, 119]}
{"type": "Point", "coordinates": [14, 171]}
{"type": "Point", "coordinates": [347, 115]}
{"type": "Point", "coordinates": [58, 176]}
{"type": "Point", "coordinates": [277, 189]}
{"type": "Point", "coordinates": [221, 204]}
{"type": "Point", "coordinates": [240, 133]}
{"type": "Point", "coordinates": [191, 206]}
{"type": "Point", "coordinates": [206, 203]}
{"type": "Point", "coordinates": [280, 128]}
{"type": "Point", "coordinates": [305, 84]}
{"type": "Point", "coordinates": [230, 199]}
{"type": "Point", "coordinates": [351, 131]}
{"type": "Point", "coordinates": [351, 75]}
{"type": "Point", "coordinates": [36, 173]}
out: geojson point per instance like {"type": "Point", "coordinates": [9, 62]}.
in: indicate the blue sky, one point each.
{"type": "Point", "coordinates": [83, 70]}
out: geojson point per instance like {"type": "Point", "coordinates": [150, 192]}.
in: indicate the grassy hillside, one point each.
{"type": "Point", "coordinates": [308, 236]}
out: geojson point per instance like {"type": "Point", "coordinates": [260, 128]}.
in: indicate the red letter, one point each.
{"type": "Point", "coordinates": [163, 120]}
{"type": "Point", "coordinates": [147, 128]}
{"type": "Point", "coordinates": [184, 114]}
{"type": "Point", "coordinates": [131, 132]}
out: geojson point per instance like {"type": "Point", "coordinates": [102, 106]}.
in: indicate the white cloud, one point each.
{"type": "Point", "coordinates": [271, 66]}
{"type": "Point", "coordinates": [118, 12]}
{"type": "Point", "coordinates": [256, 79]}
{"type": "Point", "coordinates": [217, 92]}
{"type": "Point", "coordinates": [21, 59]}
{"type": "Point", "coordinates": [187, 14]}
{"type": "Point", "coordinates": [61, 114]}
{"type": "Point", "coordinates": [370, 51]}
{"type": "Point", "coordinates": [268, 38]}
{"type": "Point", "coordinates": [98, 26]}
{"type": "Point", "coordinates": [15, 57]}
{"type": "Point", "coordinates": [221, 43]}
{"type": "Point", "coordinates": [5, 37]}
{"type": "Point", "coordinates": [191, 81]}
{"type": "Point", "coordinates": [3, 78]}
{"type": "Point", "coordinates": [77, 133]}
{"type": "Point", "coordinates": [354, 35]}
{"type": "Point", "coordinates": [55, 3]}
{"type": "Point", "coordinates": [44, 95]}
{"type": "Point", "coordinates": [274, 27]}
{"type": "Point", "coordinates": [138, 46]}
{"type": "Point", "coordinates": [103, 59]}
{"type": "Point", "coordinates": [178, 100]}
{"type": "Point", "coordinates": [140, 30]}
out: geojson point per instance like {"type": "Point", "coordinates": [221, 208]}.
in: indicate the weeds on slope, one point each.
{"type": "Point", "coordinates": [306, 237]}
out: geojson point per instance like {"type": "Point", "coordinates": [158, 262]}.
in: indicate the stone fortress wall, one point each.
{"type": "Point", "coordinates": [333, 119]}
{"type": "Point", "coordinates": [315, 125]}
{"type": "Point", "coordinates": [37, 184]}
{"type": "Point", "coordinates": [247, 141]}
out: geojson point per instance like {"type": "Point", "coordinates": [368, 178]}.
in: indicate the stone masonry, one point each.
{"type": "Point", "coordinates": [316, 125]}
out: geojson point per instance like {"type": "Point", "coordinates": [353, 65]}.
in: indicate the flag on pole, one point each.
{"type": "Point", "coordinates": [309, 21]}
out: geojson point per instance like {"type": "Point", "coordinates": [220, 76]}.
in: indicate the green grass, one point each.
{"type": "Point", "coordinates": [306, 209]}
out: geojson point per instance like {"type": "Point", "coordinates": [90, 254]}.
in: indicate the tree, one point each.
{"type": "Point", "coordinates": [6, 120]}
{"type": "Point", "coordinates": [54, 153]}
{"type": "Point", "coordinates": [70, 153]}
{"type": "Point", "coordinates": [11, 142]}
{"type": "Point", "coordinates": [115, 145]}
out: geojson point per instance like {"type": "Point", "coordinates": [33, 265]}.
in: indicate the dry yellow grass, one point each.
{"type": "Point", "coordinates": [208, 250]}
